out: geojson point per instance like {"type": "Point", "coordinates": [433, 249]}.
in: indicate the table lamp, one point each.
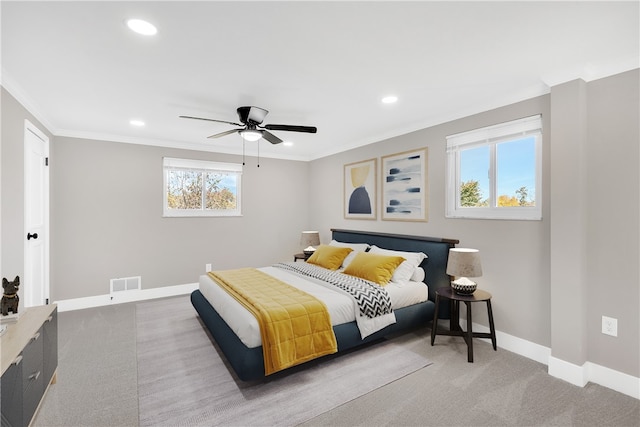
{"type": "Point", "coordinates": [309, 240]}
{"type": "Point", "coordinates": [464, 263]}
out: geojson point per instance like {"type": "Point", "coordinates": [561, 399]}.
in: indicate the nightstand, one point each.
{"type": "Point", "coordinates": [455, 329]}
{"type": "Point", "coordinates": [301, 256]}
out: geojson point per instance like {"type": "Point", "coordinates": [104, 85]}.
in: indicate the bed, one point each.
{"type": "Point", "coordinates": [247, 360]}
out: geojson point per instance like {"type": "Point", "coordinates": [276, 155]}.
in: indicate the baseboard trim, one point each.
{"type": "Point", "coordinates": [567, 371]}
{"type": "Point", "coordinates": [525, 348]}
{"type": "Point", "coordinates": [597, 374]}
{"type": "Point", "coordinates": [123, 297]}
{"type": "Point", "coordinates": [574, 374]}
{"type": "Point", "coordinates": [618, 381]}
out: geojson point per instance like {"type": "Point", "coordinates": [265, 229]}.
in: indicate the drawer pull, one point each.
{"type": "Point", "coordinates": [36, 336]}
{"type": "Point", "coordinates": [49, 319]}
{"type": "Point", "coordinates": [17, 361]}
{"type": "Point", "coordinates": [34, 377]}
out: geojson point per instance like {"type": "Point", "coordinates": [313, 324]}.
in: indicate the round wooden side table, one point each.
{"type": "Point", "coordinates": [455, 329]}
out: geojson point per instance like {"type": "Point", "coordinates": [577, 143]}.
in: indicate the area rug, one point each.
{"type": "Point", "coordinates": [183, 380]}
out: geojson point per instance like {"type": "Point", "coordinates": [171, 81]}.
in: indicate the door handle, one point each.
{"type": "Point", "coordinates": [32, 236]}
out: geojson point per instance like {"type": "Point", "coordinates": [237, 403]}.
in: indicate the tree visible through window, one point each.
{"type": "Point", "coordinates": [200, 188]}
{"type": "Point", "coordinates": [494, 172]}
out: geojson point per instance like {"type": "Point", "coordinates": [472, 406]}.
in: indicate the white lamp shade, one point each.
{"type": "Point", "coordinates": [310, 238]}
{"type": "Point", "coordinates": [464, 262]}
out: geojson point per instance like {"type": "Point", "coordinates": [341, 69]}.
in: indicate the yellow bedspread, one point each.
{"type": "Point", "coordinates": [295, 326]}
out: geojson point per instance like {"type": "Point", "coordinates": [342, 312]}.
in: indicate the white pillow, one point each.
{"type": "Point", "coordinates": [405, 270]}
{"type": "Point", "coordinates": [357, 247]}
{"type": "Point", "coordinates": [418, 275]}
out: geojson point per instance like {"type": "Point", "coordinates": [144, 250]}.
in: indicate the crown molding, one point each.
{"type": "Point", "coordinates": [194, 146]}
{"type": "Point", "coordinates": [14, 88]}
{"type": "Point", "coordinates": [589, 72]}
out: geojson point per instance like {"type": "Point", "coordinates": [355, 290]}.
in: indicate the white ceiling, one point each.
{"type": "Point", "coordinates": [83, 73]}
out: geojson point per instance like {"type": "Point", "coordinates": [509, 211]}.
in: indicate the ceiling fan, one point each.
{"type": "Point", "coordinates": [251, 128]}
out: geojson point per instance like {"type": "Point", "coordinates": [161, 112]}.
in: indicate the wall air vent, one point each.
{"type": "Point", "coordinates": [124, 284]}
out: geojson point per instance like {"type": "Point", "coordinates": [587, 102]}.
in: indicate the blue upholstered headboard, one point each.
{"type": "Point", "coordinates": [436, 249]}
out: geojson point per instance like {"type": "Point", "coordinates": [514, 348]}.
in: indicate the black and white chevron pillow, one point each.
{"type": "Point", "coordinates": [372, 299]}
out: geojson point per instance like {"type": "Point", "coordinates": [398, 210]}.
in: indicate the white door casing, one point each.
{"type": "Point", "coordinates": [35, 283]}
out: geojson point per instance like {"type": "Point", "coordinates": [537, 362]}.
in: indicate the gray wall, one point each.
{"type": "Point", "coordinates": [568, 221]}
{"type": "Point", "coordinates": [595, 246]}
{"type": "Point", "coordinates": [516, 255]}
{"type": "Point", "coordinates": [107, 222]}
{"type": "Point", "coordinates": [613, 220]}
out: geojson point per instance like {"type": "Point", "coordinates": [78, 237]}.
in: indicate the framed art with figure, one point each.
{"type": "Point", "coordinates": [404, 186]}
{"type": "Point", "coordinates": [360, 190]}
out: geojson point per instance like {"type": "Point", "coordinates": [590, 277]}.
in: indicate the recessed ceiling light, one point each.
{"type": "Point", "coordinates": [287, 143]}
{"type": "Point", "coordinates": [138, 123]}
{"type": "Point", "coordinates": [142, 27]}
{"type": "Point", "coordinates": [389, 99]}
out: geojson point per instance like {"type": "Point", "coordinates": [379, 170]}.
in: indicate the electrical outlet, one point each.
{"type": "Point", "coordinates": [610, 326]}
{"type": "Point", "coordinates": [207, 268]}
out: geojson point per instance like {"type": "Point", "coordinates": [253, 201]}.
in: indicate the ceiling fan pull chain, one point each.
{"type": "Point", "coordinates": [258, 152]}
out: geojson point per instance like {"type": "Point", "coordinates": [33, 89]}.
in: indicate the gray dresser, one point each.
{"type": "Point", "coordinates": [29, 361]}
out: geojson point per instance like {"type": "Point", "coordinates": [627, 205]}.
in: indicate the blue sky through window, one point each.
{"type": "Point", "coordinates": [474, 166]}
{"type": "Point", "coordinates": [516, 164]}
{"type": "Point", "coordinates": [228, 181]}
{"type": "Point", "coordinates": [515, 167]}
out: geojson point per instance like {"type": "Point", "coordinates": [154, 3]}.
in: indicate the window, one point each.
{"type": "Point", "coordinates": [201, 188]}
{"type": "Point", "coordinates": [495, 172]}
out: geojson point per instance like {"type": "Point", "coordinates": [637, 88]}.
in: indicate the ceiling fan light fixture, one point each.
{"type": "Point", "coordinates": [250, 135]}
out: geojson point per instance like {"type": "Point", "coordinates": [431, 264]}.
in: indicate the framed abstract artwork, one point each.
{"type": "Point", "coordinates": [360, 190]}
{"type": "Point", "coordinates": [405, 186]}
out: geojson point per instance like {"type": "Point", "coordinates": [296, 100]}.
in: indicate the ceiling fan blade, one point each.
{"type": "Point", "coordinates": [210, 120]}
{"type": "Point", "coordinates": [225, 133]}
{"type": "Point", "coordinates": [271, 137]}
{"type": "Point", "coordinates": [292, 128]}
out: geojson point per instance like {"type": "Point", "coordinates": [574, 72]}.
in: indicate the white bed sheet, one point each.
{"type": "Point", "coordinates": [341, 307]}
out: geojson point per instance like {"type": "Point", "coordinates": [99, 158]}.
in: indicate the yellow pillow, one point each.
{"type": "Point", "coordinates": [329, 257]}
{"type": "Point", "coordinates": [373, 267]}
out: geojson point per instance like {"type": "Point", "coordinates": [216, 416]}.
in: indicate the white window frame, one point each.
{"type": "Point", "coordinates": [170, 164]}
{"type": "Point", "coordinates": [491, 136]}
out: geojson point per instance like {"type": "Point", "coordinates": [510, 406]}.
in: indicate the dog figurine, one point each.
{"type": "Point", "coordinates": [10, 298]}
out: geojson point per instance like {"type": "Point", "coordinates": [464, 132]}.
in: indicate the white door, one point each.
{"type": "Point", "coordinates": [35, 283]}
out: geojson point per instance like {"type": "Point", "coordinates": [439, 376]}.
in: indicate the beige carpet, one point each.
{"type": "Point", "coordinates": [182, 379]}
